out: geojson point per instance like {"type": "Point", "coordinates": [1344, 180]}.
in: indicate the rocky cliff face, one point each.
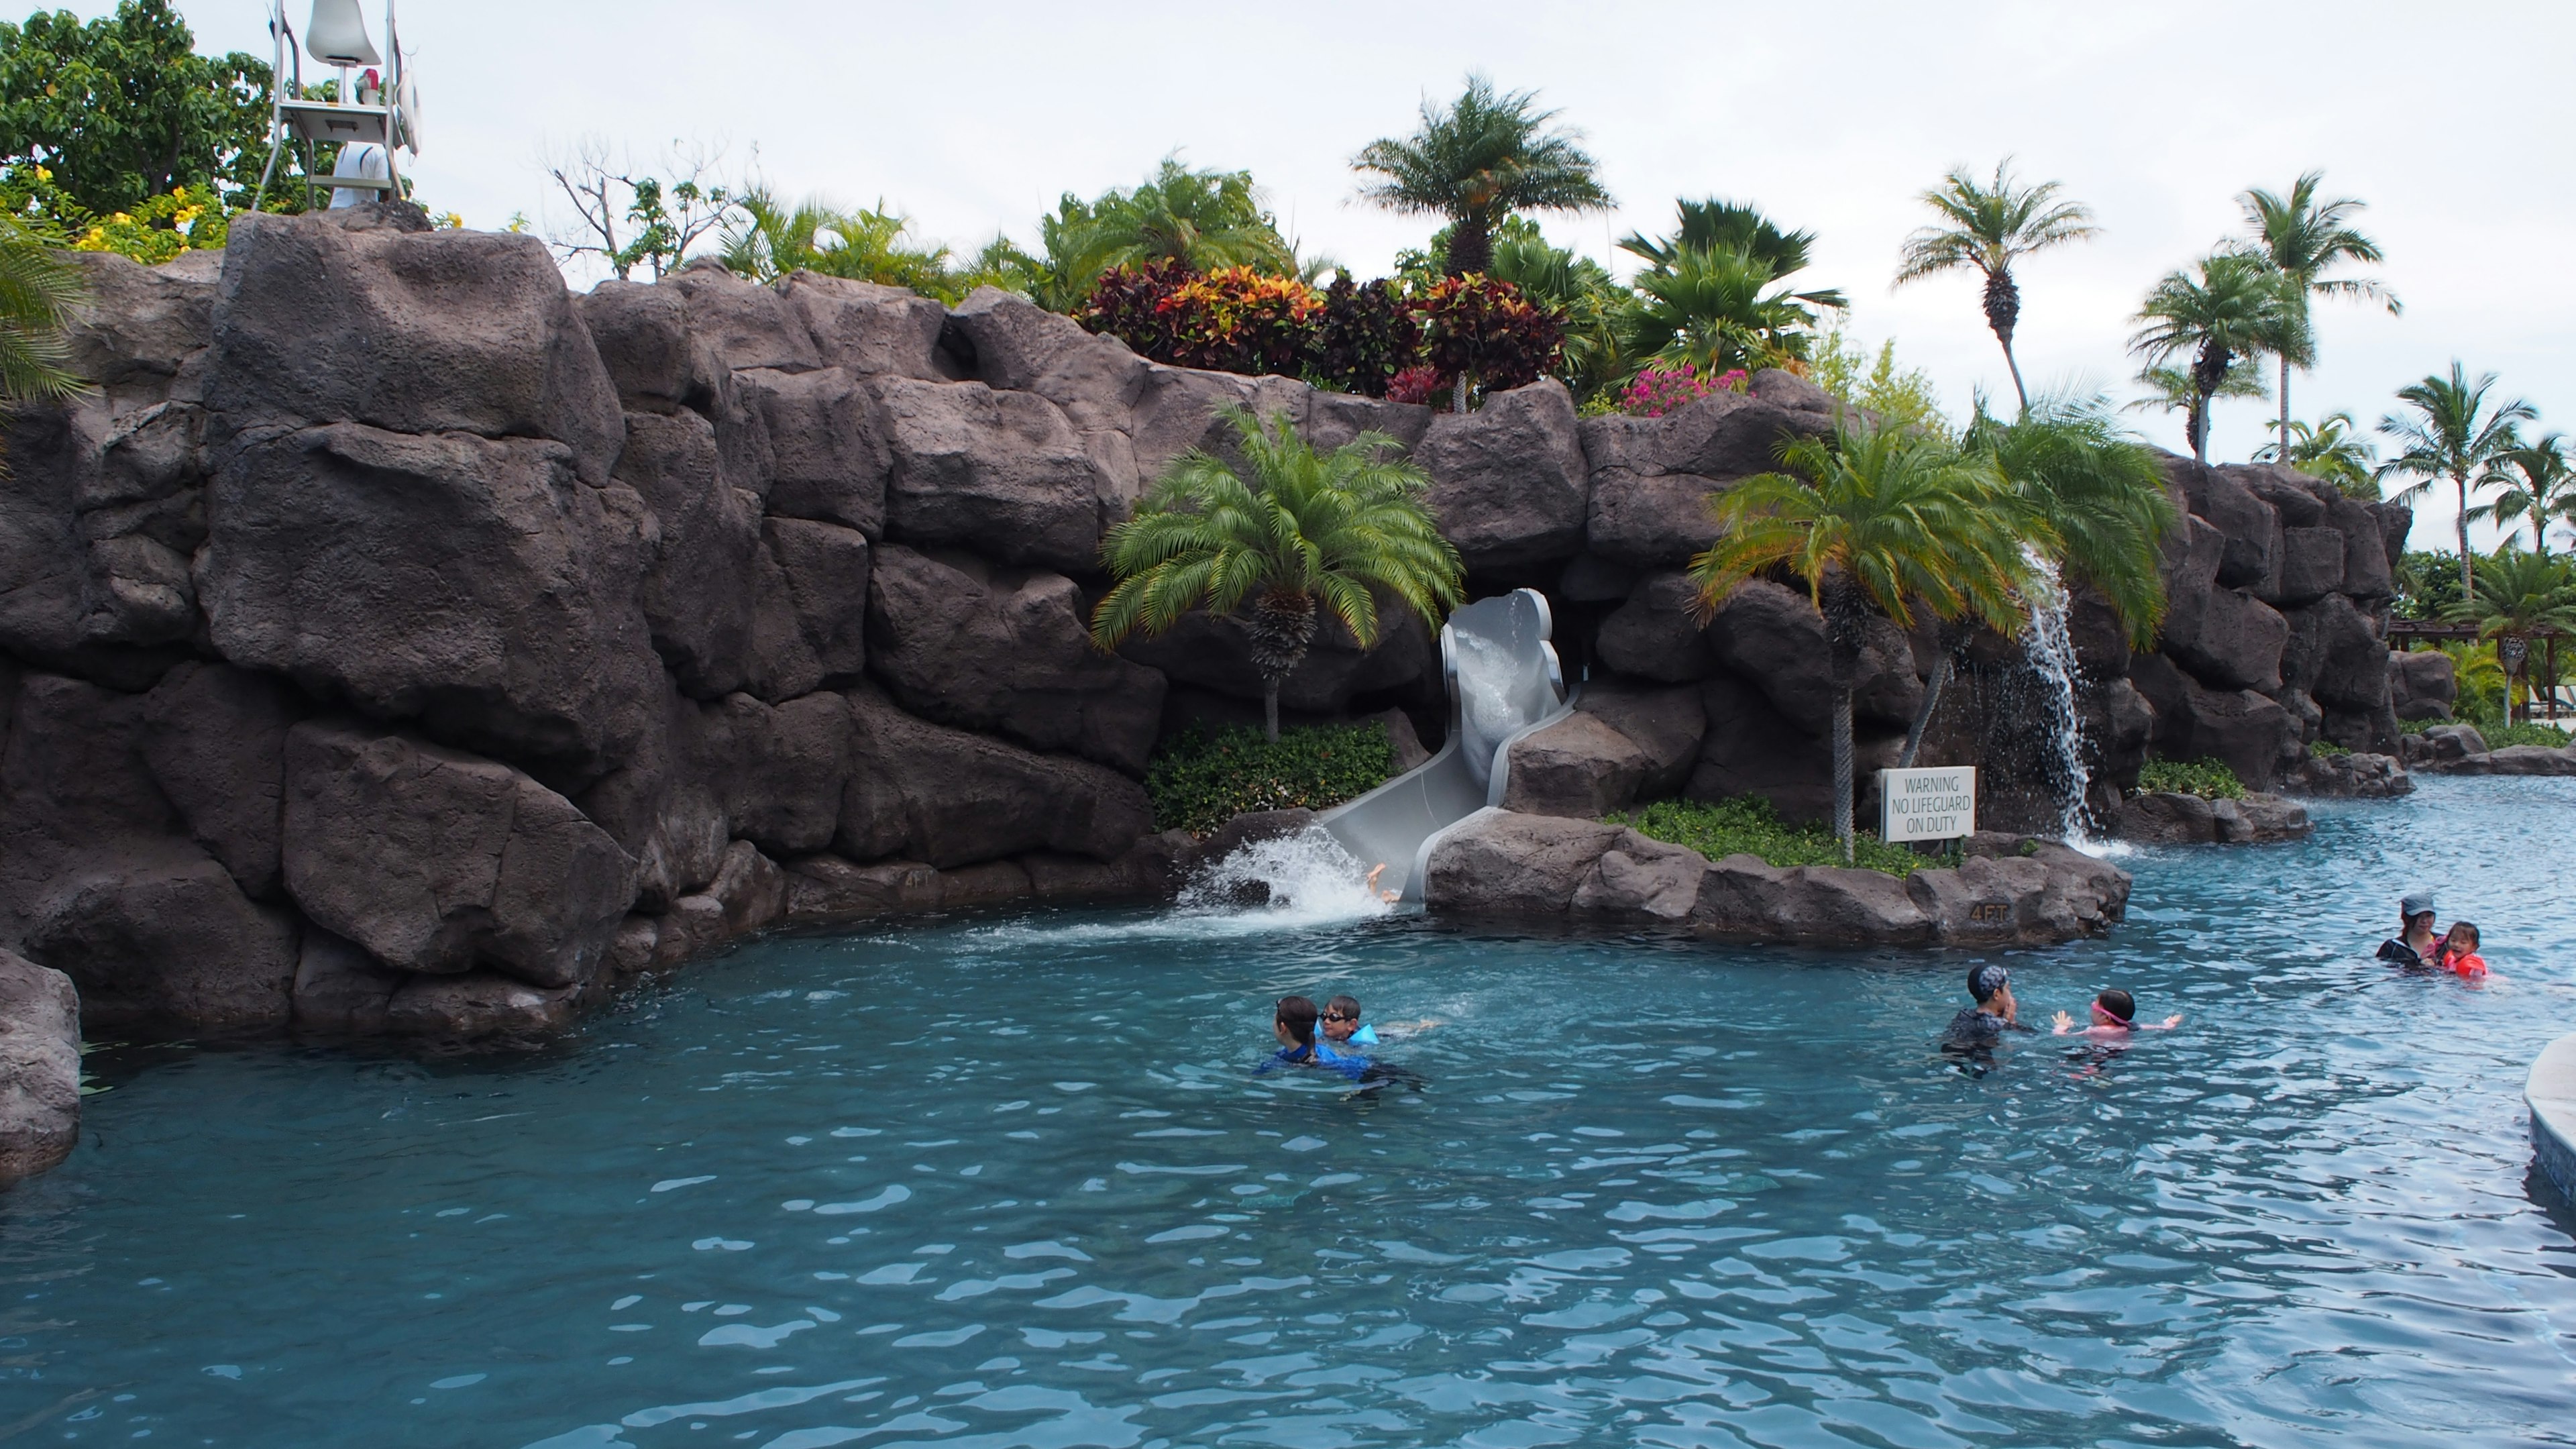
{"type": "Point", "coordinates": [399, 642]}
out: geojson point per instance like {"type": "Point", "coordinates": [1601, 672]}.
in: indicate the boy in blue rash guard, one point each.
{"type": "Point", "coordinates": [1299, 1046]}
{"type": "Point", "coordinates": [1342, 1032]}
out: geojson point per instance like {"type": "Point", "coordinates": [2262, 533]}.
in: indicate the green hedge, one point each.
{"type": "Point", "coordinates": [2208, 779]}
{"type": "Point", "coordinates": [1748, 825]}
{"type": "Point", "coordinates": [2326, 749]}
{"type": "Point", "coordinates": [1201, 778]}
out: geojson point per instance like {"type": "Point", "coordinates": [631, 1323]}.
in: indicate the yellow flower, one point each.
{"type": "Point", "coordinates": [121, 219]}
{"type": "Point", "coordinates": [44, 175]}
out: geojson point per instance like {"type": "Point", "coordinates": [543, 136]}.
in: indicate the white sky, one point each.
{"type": "Point", "coordinates": [2456, 122]}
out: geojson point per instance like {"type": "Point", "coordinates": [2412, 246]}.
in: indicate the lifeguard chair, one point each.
{"type": "Point", "coordinates": [370, 115]}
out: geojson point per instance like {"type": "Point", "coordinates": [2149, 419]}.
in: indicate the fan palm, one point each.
{"type": "Point", "coordinates": [37, 294]}
{"type": "Point", "coordinates": [1709, 307]}
{"type": "Point", "coordinates": [1989, 226]}
{"type": "Point", "coordinates": [1733, 226]}
{"type": "Point", "coordinates": [1896, 520]}
{"type": "Point", "coordinates": [2330, 448]}
{"type": "Point", "coordinates": [1488, 154]}
{"type": "Point", "coordinates": [2452, 434]}
{"type": "Point", "coordinates": [2304, 238]}
{"type": "Point", "coordinates": [2235, 307]}
{"type": "Point", "coordinates": [2534, 480]}
{"type": "Point", "coordinates": [1303, 530]}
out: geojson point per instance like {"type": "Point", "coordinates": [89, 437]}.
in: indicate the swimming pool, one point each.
{"type": "Point", "coordinates": [1009, 1182]}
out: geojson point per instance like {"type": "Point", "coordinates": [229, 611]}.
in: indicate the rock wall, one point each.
{"type": "Point", "coordinates": [399, 642]}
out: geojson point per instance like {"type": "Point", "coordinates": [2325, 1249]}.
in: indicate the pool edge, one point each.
{"type": "Point", "coordinates": [2551, 1094]}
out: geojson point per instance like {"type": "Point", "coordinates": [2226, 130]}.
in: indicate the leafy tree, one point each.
{"type": "Point", "coordinates": [2534, 481]}
{"type": "Point", "coordinates": [631, 219]}
{"type": "Point", "coordinates": [1900, 398]}
{"type": "Point", "coordinates": [122, 109]}
{"type": "Point", "coordinates": [1888, 519]}
{"type": "Point", "coordinates": [2426, 584]}
{"type": "Point", "coordinates": [2304, 238]}
{"type": "Point", "coordinates": [1296, 531]}
{"type": "Point", "coordinates": [37, 293]}
{"type": "Point", "coordinates": [2330, 448]}
{"type": "Point", "coordinates": [2236, 307]}
{"type": "Point", "coordinates": [2519, 595]}
{"type": "Point", "coordinates": [2453, 433]}
{"type": "Point", "coordinates": [1485, 156]}
{"type": "Point", "coordinates": [1989, 226]}
{"type": "Point", "coordinates": [1204, 221]}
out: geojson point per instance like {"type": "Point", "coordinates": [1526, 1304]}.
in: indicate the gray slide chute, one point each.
{"type": "Point", "coordinates": [1504, 682]}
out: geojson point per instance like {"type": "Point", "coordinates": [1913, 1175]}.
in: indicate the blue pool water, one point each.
{"type": "Point", "coordinates": [1003, 1183]}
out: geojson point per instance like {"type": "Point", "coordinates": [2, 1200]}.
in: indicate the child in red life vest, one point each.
{"type": "Point", "coordinates": [2460, 952]}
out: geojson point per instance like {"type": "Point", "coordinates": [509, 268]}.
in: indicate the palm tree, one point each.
{"type": "Point", "coordinates": [1990, 226]}
{"type": "Point", "coordinates": [1303, 529]}
{"type": "Point", "coordinates": [1202, 220]}
{"type": "Point", "coordinates": [2171, 390]}
{"type": "Point", "coordinates": [2535, 481]}
{"type": "Point", "coordinates": [1708, 307]}
{"type": "Point", "coordinates": [2330, 448]}
{"type": "Point", "coordinates": [1487, 155]}
{"type": "Point", "coordinates": [2235, 308]}
{"type": "Point", "coordinates": [773, 240]}
{"type": "Point", "coordinates": [2092, 503]}
{"type": "Point", "coordinates": [1737, 227]}
{"type": "Point", "coordinates": [2519, 595]}
{"type": "Point", "coordinates": [2453, 434]}
{"type": "Point", "coordinates": [1896, 520]}
{"type": "Point", "coordinates": [2304, 238]}
{"type": "Point", "coordinates": [37, 294]}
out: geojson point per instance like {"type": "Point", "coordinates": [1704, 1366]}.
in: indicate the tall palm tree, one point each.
{"type": "Point", "coordinates": [2330, 448]}
{"type": "Point", "coordinates": [2519, 595]}
{"type": "Point", "coordinates": [1989, 226]}
{"type": "Point", "coordinates": [2534, 480]}
{"type": "Point", "coordinates": [1488, 154]}
{"type": "Point", "coordinates": [2304, 238]}
{"type": "Point", "coordinates": [2234, 308]}
{"type": "Point", "coordinates": [2453, 434]}
{"type": "Point", "coordinates": [2171, 390]}
{"type": "Point", "coordinates": [1894, 520]}
{"type": "Point", "coordinates": [1297, 531]}
{"type": "Point", "coordinates": [1709, 307]}
{"type": "Point", "coordinates": [37, 294]}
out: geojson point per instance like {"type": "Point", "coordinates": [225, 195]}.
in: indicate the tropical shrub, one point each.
{"type": "Point", "coordinates": [151, 232]}
{"type": "Point", "coordinates": [1749, 825]}
{"type": "Point", "coordinates": [1366, 337]}
{"type": "Point", "coordinates": [1473, 327]}
{"type": "Point", "coordinates": [2326, 749]}
{"type": "Point", "coordinates": [1200, 778]}
{"type": "Point", "coordinates": [2208, 779]}
{"type": "Point", "coordinates": [1238, 320]}
{"type": "Point", "coordinates": [1417, 385]}
{"type": "Point", "coordinates": [1656, 391]}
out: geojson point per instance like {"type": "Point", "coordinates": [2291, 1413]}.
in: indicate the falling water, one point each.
{"type": "Point", "coordinates": [2050, 648]}
{"type": "Point", "coordinates": [1305, 879]}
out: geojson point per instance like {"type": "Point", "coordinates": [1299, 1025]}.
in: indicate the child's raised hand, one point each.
{"type": "Point", "coordinates": [2173, 1021]}
{"type": "Point", "coordinates": [2063, 1023]}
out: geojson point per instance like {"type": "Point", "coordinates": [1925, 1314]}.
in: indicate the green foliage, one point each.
{"type": "Point", "coordinates": [2208, 779]}
{"type": "Point", "coordinates": [770, 239]}
{"type": "Point", "coordinates": [2094, 500]}
{"type": "Point", "coordinates": [2533, 480]}
{"type": "Point", "coordinates": [1905, 399]}
{"type": "Point", "coordinates": [2519, 593]}
{"type": "Point", "coordinates": [1303, 530]}
{"type": "Point", "coordinates": [1707, 297]}
{"type": "Point", "coordinates": [1748, 825]}
{"type": "Point", "coordinates": [1199, 779]}
{"type": "Point", "coordinates": [2523, 732]}
{"type": "Point", "coordinates": [159, 229]}
{"type": "Point", "coordinates": [122, 109]}
{"type": "Point", "coordinates": [2326, 749]}
{"type": "Point", "coordinates": [2453, 433]}
{"type": "Point", "coordinates": [1476, 161]}
{"type": "Point", "coordinates": [2330, 448]}
{"type": "Point", "coordinates": [2427, 585]}
{"type": "Point", "coordinates": [2231, 307]}
{"type": "Point", "coordinates": [1200, 221]}
{"type": "Point", "coordinates": [37, 293]}
{"type": "Point", "coordinates": [1591, 305]}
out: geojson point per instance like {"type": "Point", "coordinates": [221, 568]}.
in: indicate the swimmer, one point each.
{"type": "Point", "coordinates": [1299, 1045]}
{"type": "Point", "coordinates": [1342, 1028]}
{"type": "Point", "coordinates": [2115, 1018]}
{"type": "Point", "coordinates": [2414, 947]}
{"type": "Point", "coordinates": [1390, 897]}
{"type": "Point", "coordinates": [1979, 1027]}
{"type": "Point", "coordinates": [2460, 952]}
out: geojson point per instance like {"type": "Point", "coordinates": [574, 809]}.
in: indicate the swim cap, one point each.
{"type": "Point", "coordinates": [2415, 903]}
{"type": "Point", "coordinates": [1988, 979]}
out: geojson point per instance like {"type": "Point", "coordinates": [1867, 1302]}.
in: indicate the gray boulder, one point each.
{"type": "Point", "coordinates": [705, 544]}
{"type": "Point", "coordinates": [1743, 899]}
{"type": "Point", "coordinates": [1509, 483]}
{"type": "Point", "coordinates": [866, 328]}
{"type": "Point", "coordinates": [927, 792]}
{"type": "Point", "coordinates": [1649, 520]}
{"type": "Point", "coordinates": [1724, 436]}
{"type": "Point", "coordinates": [436, 861]}
{"type": "Point", "coordinates": [2374, 537]}
{"type": "Point", "coordinates": [1578, 767]}
{"type": "Point", "coordinates": [216, 744]}
{"type": "Point", "coordinates": [1007, 651]}
{"type": "Point", "coordinates": [825, 888]}
{"type": "Point", "coordinates": [2336, 654]}
{"type": "Point", "coordinates": [1750, 748]}
{"type": "Point", "coordinates": [1657, 633]}
{"type": "Point", "coordinates": [136, 327]}
{"type": "Point", "coordinates": [745, 325]}
{"type": "Point", "coordinates": [2235, 641]}
{"type": "Point", "coordinates": [1215, 654]}
{"type": "Point", "coordinates": [2354, 775]}
{"type": "Point", "coordinates": [656, 363]}
{"type": "Point", "coordinates": [1644, 880]}
{"type": "Point", "coordinates": [825, 572]}
{"type": "Point", "coordinates": [2250, 554]}
{"type": "Point", "coordinates": [156, 934]}
{"type": "Point", "coordinates": [1773, 636]}
{"type": "Point", "coordinates": [1000, 472]}
{"type": "Point", "coordinates": [351, 317]}
{"type": "Point", "coordinates": [1499, 863]}
{"type": "Point", "coordinates": [2312, 563]}
{"type": "Point", "coordinates": [828, 458]}
{"type": "Point", "coordinates": [474, 584]}
{"type": "Point", "coordinates": [2170, 818]}
{"type": "Point", "coordinates": [2513, 760]}
{"type": "Point", "coordinates": [779, 770]}
{"type": "Point", "coordinates": [39, 1068]}
{"type": "Point", "coordinates": [2255, 736]}
{"type": "Point", "coordinates": [340, 990]}
{"type": "Point", "coordinates": [1666, 724]}
{"type": "Point", "coordinates": [479, 1006]}
{"type": "Point", "coordinates": [2422, 684]}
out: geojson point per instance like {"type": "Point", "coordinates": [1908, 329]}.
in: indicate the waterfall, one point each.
{"type": "Point", "coordinates": [1305, 879]}
{"type": "Point", "coordinates": [2050, 648]}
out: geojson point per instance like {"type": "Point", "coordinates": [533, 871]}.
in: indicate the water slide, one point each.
{"type": "Point", "coordinates": [1504, 682]}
